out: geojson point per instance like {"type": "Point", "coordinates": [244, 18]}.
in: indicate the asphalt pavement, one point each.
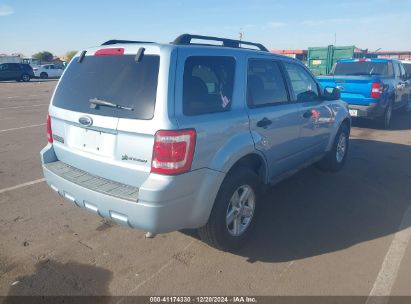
{"type": "Point", "coordinates": [319, 233]}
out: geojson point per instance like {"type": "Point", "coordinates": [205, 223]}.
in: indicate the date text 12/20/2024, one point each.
{"type": "Point", "coordinates": [203, 299]}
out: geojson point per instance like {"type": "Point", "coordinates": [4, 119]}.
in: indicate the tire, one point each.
{"type": "Point", "coordinates": [335, 159]}
{"type": "Point", "coordinates": [385, 120]}
{"type": "Point", "coordinates": [44, 75]}
{"type": "Point", "coordinates": [25, 78]}
{"type": "Point", "coordinates": [230, 225]}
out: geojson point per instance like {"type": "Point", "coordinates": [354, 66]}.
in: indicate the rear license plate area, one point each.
{"type": "Point", "coordinates": [96, 142]}
{"type": "Point", "coordinates": [353, 113]}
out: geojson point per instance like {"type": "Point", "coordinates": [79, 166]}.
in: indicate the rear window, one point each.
{"type": "Point", "coordinates": [208, 84]}
{"type": "Point", "coordinates": [362, 68]}
{"type": "Point", "coordinates": [115, 79]}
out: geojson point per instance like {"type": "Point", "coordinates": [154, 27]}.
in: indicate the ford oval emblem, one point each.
{"type": "Point", "coordinates": [85, 120]}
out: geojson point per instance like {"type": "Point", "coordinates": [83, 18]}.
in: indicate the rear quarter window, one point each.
{"type": "Point", "coordinates": [208, 84]}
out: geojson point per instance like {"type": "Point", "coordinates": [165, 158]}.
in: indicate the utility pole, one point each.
{"type": "Point", "coordinates": [335, 38]}
{"type": "Point", "coordinates": [241, 34]}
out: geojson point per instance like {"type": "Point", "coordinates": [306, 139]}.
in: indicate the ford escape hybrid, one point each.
{"type": "Point", "coordinates": [162, 137]}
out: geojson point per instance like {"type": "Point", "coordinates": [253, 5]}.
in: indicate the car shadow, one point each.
{"type": "Point", "coordinates": [52, 281]}
{"type": "Point", "coordinates": [51, 79]}
{"type": "Point", "coordinates": [31, 80]}
{"type": "Point", "coordinates": [314, 213]}
{"type": "Point", "coordinates": [401, 120]}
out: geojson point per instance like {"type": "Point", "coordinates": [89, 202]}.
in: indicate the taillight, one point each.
{"type": "Point", "coordinates": [49, 132]}
{"type": "Point", "coordinates": [362, 60]}
{"type": "Point", "coordinates": [173, 151]}
{"type": "Point", "coordinates": [376, 90]}
{"type": "Point", "coordinates": [109, 52]}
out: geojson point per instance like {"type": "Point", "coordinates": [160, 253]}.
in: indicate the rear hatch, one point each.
{"type": "Point", "coordinates": [355, 79]}
{"type": "Point", "coordinates": [101, 114]}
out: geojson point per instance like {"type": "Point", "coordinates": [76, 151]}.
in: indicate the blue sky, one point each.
{"type": "Point", "coordinates": [29, 26]}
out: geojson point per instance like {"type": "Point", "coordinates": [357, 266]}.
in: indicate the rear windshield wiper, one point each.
{"type": "Point", "coordinates": [95, 103]}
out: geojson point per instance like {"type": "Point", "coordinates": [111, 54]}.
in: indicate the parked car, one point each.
{"type": "Point", "coordinates": [16, 71]}
{"type": "Point", "coordinates": [48, 71]}
{"type": "Point", "coordinates": [373, 88]}
{"type": "Point", "coordinates": [407, 67]}
{"type": "Point", "coordinates": [185, 135]}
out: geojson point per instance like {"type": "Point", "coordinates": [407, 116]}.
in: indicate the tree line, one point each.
{"type": "Point", "coordinates": [47, 56]}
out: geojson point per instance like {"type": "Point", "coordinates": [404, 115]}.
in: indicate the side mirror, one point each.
{"type": "Point", "coordinates": [332, 93]}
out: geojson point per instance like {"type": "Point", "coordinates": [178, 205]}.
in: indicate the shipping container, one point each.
{"type": "Point", "coordinates": [322, 59]}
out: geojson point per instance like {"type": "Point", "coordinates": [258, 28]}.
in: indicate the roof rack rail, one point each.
{"type": "Point", "coordinates": [109, 42]}
{"type": "Point", "coordinates": [185, 39]}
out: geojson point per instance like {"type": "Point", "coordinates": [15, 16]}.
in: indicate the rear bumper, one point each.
{"type": "Point", "coordinates": [373, 110]}
{"type": "Point", "coordinates": [164, 203]}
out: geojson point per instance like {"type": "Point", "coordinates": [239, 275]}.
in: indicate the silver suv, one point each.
{"type": "Point", "coordinates": [162, 137]}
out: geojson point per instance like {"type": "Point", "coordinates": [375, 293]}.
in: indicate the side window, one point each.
{"type": "Point", "coordinates": [208, 84]}
{"type": "Point", "coordinates": [407, 68]}
{"type": "Point", "coordinates": [397, 71]}
{"type": "Point", "coordinates": [265, 83]}
{"type": "Point", "coordinates": [390, 69]}
{"type": "Point", "coordinates": [304, 86]}
{"type": "Point", "coordinates": [402, 70]}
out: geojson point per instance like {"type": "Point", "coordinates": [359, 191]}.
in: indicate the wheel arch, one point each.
{"type": "Point", "coordinates": [341, 118]}
{"type": "Point", "coordinates": [254, 161]}
{"type": "Point", "coordinates": [239, 150]}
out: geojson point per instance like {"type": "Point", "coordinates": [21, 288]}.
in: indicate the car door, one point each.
{"type": "Point", "coordinates": [14, 71]}
{"type": "Point", "coordinates": [7, 72]}
{"type": "Point", "coordinates": [399, 86]}
{"type": "Point", "coordinates": [406, 83]}
{"type": "Point", "coordinates": [59, 70]}
{"type": "Point", "coordinates": [3, 71]}
{"type": "Point", "coordinates": [50, 71]}
{"type": "Point", "coordinates": [274, 119]}
{"type": "Point", "coordinates": [55, 71]}
{"type": "Point", "coordinates": [316, 113]}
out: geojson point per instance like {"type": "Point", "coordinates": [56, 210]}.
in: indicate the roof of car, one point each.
{"type": "Point", "coordinates": [368, 60]}
{"type": "Point", "coordinates": [134, 46]}
{"type": "Point", "coordinates": [186, 39]}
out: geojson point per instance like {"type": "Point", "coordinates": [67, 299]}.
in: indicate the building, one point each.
{"type": "Point", "coordinates": [4, 58]}
{"type": "Point", "coordinates": [303, 54]}
{"type": "Point", "coordinates": [394, 55]}
{"type": "Point", "coordinates": [297, 54]}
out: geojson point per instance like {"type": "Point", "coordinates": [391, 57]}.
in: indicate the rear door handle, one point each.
{"type": "Point", "coordinates": [308, 114]}
{"type": "Point", "coordinates": [264, 122]}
